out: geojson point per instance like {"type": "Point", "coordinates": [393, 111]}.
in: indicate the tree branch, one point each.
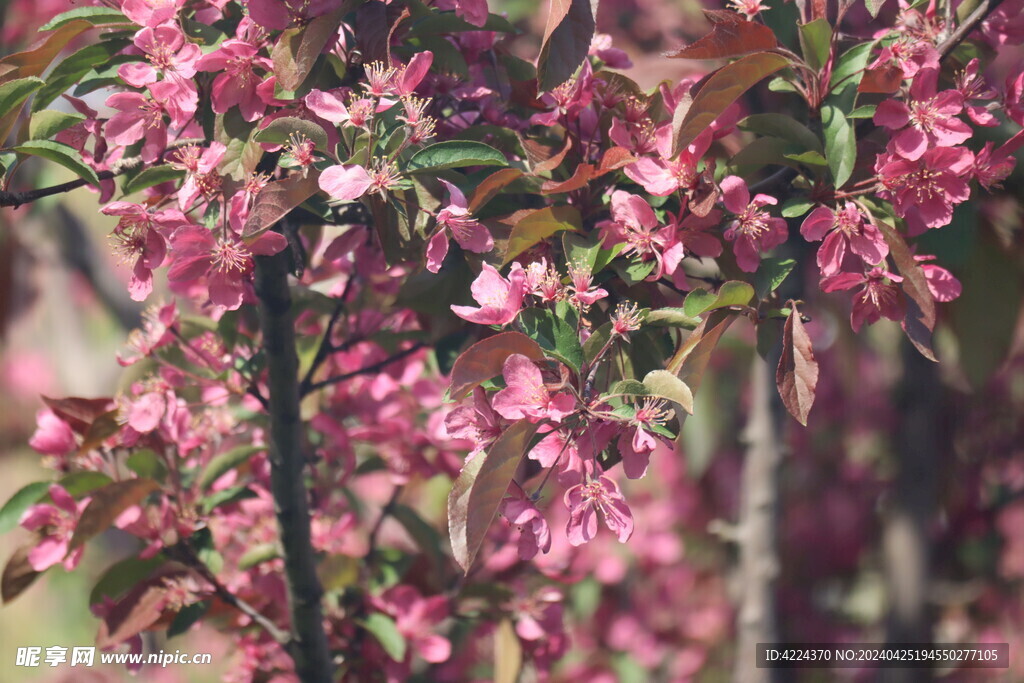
{"type": "Point", "coordinates": [308, 645]}
{"type": "Point", "coordinates": [184, 552]}
{"type": "Point", "coordinates": [368, 369]}
{"type": "Point", "coordinates": [979, 14]}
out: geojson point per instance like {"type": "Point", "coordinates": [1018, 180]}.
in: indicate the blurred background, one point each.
{"type": "Point", "coordinates": [901, 506]}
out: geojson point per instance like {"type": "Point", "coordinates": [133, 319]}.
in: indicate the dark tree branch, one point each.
{"type": "Point", "coordinates": [308, 644]}
{"type": "Point", "coordinates": [985, 8]}
{"type": "Point", "coordinates": [380, 365]}
{"type": "Point", "coordinates": [184, 552]}
{"type": "Point", "coordinates": [16, 199]}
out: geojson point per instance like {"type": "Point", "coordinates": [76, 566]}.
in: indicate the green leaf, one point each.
{"type": "Point", "coordinates": [633, 271]}
{"type": "Point", "coordinates": [567, 37]}
{"type": "Point", "coordinates": [258, 554]}
{"type": "Point", "coordinates": [664, 384]}
{"type": "Point", "coordinates": [70, 71]}
{"type": "Point", "coordinates": [455, 154]}
{"type": "Point", "coordinates": [671, 317]}
{"type": "Point", "coordinates": [77, 484]}
{"type": "Point", "coordinates": [874, 7]}
{"type": "Point", "coordinates": [816, 42]}
{"type": "Point", "coordinates": [13, 93]}
{"type": "Point", "coordinates": [782, 126]}
{"type": "Point", "coordinates": [46, 123]}
{"type": "Point", "coordinates": [229, 460]}
{"type": "Point", "coordinates": [151, 176]}
{"type": "Point", "coordinates": [97, 16]}
{"type": "Point", "coordinates": [796, 207]}
{"type": "Point", "coordinates": [386, 632]}
{"type": "Point", "coordinates": [188, 616]}
{"type": "Point", "coordinates": [849, 69]}
{"type": "Point", "coordinates": [15, 507]}
{"type": "Point", "coordinates": [279, 130]}
{"type": "Point", "coordinates": [770, 274]}
{"type": "Point", "coordinates": [448, 22]}
{"type": "Point", "coordinates": [866, 111]}
{"type": "Point", "coordinates": [558, 338]}
{"type": "Point", "coordinates": [536, 226]}
{"type": "Point", "coordinates": [731, 293]}
{"type": "Point", "coordinates": [840, 143]}
{"type": "Point", "coordinates": [808, 159]}
{"type": "Point", "coordinates": [720, 90]}
{"type": "Point", "coordinates": [147, 463]}
{"type": "Point", "coordinates": [66, 156]}
{"type": "Point", "coordinates": [596, 341]}
{"type": "Point", "coordinates": [582, 248]}
{"type": "Point", "coordinates": [480, 487]}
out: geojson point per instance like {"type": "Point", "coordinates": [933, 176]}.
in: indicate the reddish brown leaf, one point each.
{"type": "Point", "coordinates": [104, 426]}
{"type": "Point", "coordinates": [491, 186]}
{"type": "Point", "coordinates": [79, 413]}
{"type": "Point", "coordinates": [721, 89]}
{"type": "Point", "coordinates": [278, 198]}
{"type": "Point", "coordinates": [484, 360]}
{"type": "Point", "coordinates": [543, 160]}
{"type": "Point", "coordinates": [18, 573]}
{"type": "Point", "coordinates": [693, 356]}
{"type": "Point", "coordinates": [297, 49]}
{"type": "Point", "coordinates": [477, 493]}
{"type": "Point", "coordinates": [567, 38]}
{"type": "Point", "coordinates": [614, 159]}
{"type": "Point", "coordinates": [797, 374]}
{"type": "Point", "coordinates": [919, 317]}
{"type": "Point", "coordinates": [106, 504]}
{"type": "Point", "coordinates": [731, 35]}
{"type": "Point", "coordinates": [538, 225]}
{"type": "Point", "coordinates": [885, 79]}
{"type": "Point", "coordinates": [583, 175]}
{"type": "Point", "coordinates": [141, 608]}
{"type": "Point", "coordinates": [704, 196]}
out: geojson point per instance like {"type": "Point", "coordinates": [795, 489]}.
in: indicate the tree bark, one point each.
{"type": "Point", "coordinates": [308, 644]}
{"type": "Point", "coordinates": [906, 543]}
{"type": "Point", "coordinates": [758, 525]}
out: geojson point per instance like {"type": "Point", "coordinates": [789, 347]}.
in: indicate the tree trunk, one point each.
{"type": "Point", "coordinates": [308, 646]}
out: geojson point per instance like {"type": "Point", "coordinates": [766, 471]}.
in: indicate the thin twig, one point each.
{"type": "Point", "coordinates": [326, 345]}
{"type": "Point", "coordinates": [368, 369]}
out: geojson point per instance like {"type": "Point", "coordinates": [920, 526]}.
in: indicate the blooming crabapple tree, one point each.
{"type": "Point", "coordinates": [399, 250]}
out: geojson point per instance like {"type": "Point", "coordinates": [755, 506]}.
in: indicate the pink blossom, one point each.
{"type": "Point", "coordinates": [585, 500]}
{"type": "Point", "coordinates": [526, 396]}
{"type": "Point", "coordinates": [138, 118]}
{"type": "Point", "coordinates": [408, 77]}
{"type": "Point", "coordinates": [665, 175]}
{"type": "Point", "coordinates": [910, 55]}
{"type": "Point", "coordinates": [53, 436]}
{"type": "Point", "coordinates": [473, 11]}
{"type": "Point", "coordinates": [500, 300]}
{"type": "Point", "coordinates": [520, 511]}
{"type": "Point", "coordinates": [158, 323]}
{"type": "Point", "coordinates": [879, 296]}
{"type": "Point", "coordinates": [584, 294]}
{"type": "Point", "coordinates": [993, 166]}
{"type": "Point", "coordinates": [415, 618]}
{"type": "Point", "coordinates": [635, 225]}
{"type": "Point", "coordinates": [924, 191]}
{"type": "Point", "coordinates": [927, 120]}
{"type": "Point", "coordinates": [151, 13]}
{"type": "Point", "coordinates": [237, 82]}
{"type": "Point", "coordinates": [200, 165]}
{"type": "Point", "coordinates": [139, 239]}
{"type": "Point", "coordinates": [636, 449]}
{"type": "Point", "coordinates": [476, 421]}
{"type": "Point", "coordinates": [226, 263]}
{"type": "Point", "coordinates": [753, 231]}
{"type": "Point", "coordinates": [352, 182]}
{"type": "Point", "coordinates": [843, 230]}
{"type": "Point", "coordinates": [57, 523]}
{"type": "Point", "coordinates": [467, 231]}
{"type": "Point", "coordinates": [941, 283]}
{"type": "Point", "coordinates": [169, 55]}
